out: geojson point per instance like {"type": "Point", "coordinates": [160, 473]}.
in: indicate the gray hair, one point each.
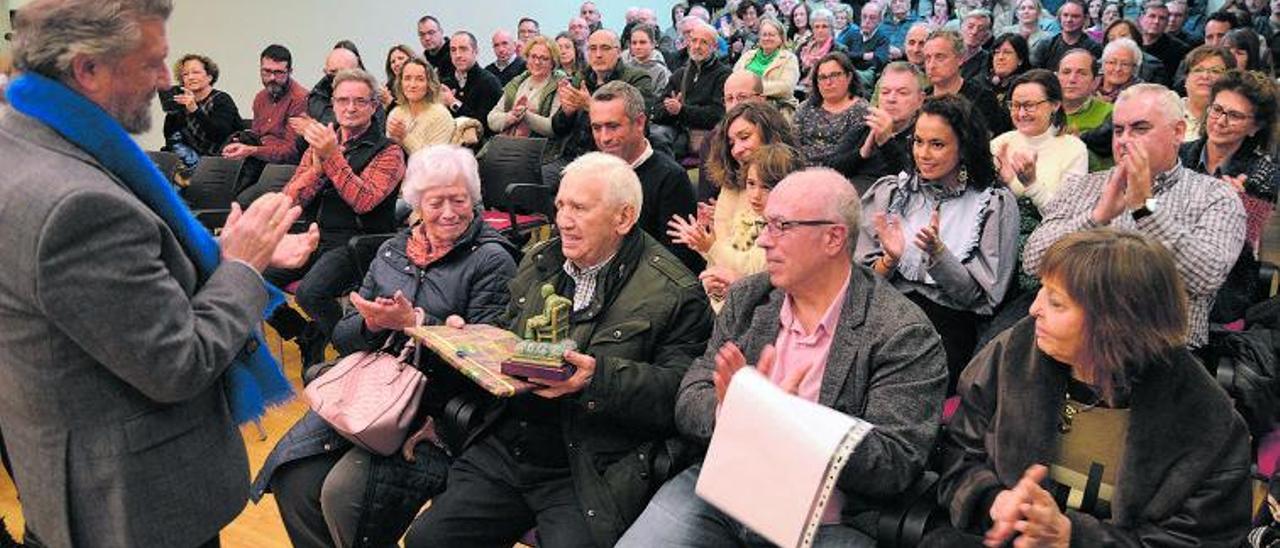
{"type": "Point", "coordinates": [776, 24]}
{"type": "Point", "coordinates": [846, 9]}
{"type": "Point", "coordinates": [356, 75]}
{"type": "Point", "coordinates": [823, 13]}
{"type": "Point", "coordinates": [696, 24]}
{"type": "Point", "coordinates": [952, 37]}
{"type": "Point", "coordinates": [1126, 44]}
{"type": "Point", "coordinates": [980, 12]}
{"type": "Point", "coordinates": [623, 186]}
{"type": "Point", "coordinates": [49, 34]}
{"type": "Point", "coordinates": [440, 165]}
{"type": "Point", "coordinates": [1168, 101]}
{"type": "Point", "coordinates": [632, 100]}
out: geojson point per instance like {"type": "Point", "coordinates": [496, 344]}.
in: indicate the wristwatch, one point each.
{"type": "Point", "coordinates": [1148, 207]}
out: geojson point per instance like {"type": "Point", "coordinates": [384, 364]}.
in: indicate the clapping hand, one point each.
{"type": "Point", "coordinates": [729, 360]}
{"type": "Point", "coordinates": [716, 280]}
{"type": "Point", "coordinates": [929, 238]}
{"type": "Point", "coordinates": [707, 212]}
{"type": "Point", "coordinates": [1020, 164]}
{"type": "Point", "coordinates": [881, 124]}
{"type": "Point", "coordinates": [383, 313]}
{"type": "Point", "coordinates": [691, 233]}
{"type": "Point", "coordinates": [674, 103]}
{"type": "Point", "coordinates": [1236, 182]}
{"type": "Point", "coordinates": [322, 138]}
{"type": "Point", "coordinates": [397, 128]}
{"type": "Point", "coordinates": [294, 249]}
{"type": "Point", "coordinates": [888, 229]}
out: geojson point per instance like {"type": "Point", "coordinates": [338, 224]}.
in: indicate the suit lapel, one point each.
{"type": "Point", "coordinates": [846, 342]}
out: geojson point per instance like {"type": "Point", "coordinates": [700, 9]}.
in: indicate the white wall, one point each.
{"type": "Point", "coordinates": [233, 32]}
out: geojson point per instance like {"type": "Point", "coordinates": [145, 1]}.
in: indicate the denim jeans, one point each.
{"type": "Point", "coordinates": [678, 517]}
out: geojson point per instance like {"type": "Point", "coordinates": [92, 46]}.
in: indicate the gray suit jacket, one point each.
{"type": "Point", "coordinates": [111, 358]}
{"type": "Point", "coordinates": [886, 366]}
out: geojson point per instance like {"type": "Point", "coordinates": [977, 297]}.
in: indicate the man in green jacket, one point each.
{"type": "Point", "coordinates": [580, 458]}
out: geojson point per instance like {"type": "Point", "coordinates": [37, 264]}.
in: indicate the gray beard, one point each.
{"type": "Point", "coordinates": [136, 121]}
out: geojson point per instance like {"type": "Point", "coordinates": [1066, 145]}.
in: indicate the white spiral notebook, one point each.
{"type": "Point", "coordinates": [774, 459]}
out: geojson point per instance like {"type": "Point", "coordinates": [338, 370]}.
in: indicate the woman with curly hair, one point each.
{"type": "Point", "coordinates": [947, 235]}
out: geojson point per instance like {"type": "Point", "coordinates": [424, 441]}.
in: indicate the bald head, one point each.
{"type": "Point", "coordinates": [742, 86]}
{"type": "Point", "coordinates": [823, 193]}
{"type": "Point", "coordinates": [340, 59]}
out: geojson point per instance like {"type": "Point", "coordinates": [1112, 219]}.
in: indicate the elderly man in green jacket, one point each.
{"type": "Point", "coordinates": [580, 458]}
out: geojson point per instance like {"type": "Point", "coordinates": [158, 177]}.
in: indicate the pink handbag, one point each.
{"type": "Point", "coordinates": [370, 397]}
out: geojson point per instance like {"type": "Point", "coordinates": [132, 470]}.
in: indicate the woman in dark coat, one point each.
{"type": "Point", "coordinates": [455, 268]}
{"type": "Point", "coordinates": [1091, 423]}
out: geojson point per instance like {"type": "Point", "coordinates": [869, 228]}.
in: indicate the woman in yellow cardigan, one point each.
{"type": "Point", "coordinates": [776, 65]}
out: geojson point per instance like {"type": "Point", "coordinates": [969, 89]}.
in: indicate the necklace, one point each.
{"type": "Point", "coordinates": [1070, 409]}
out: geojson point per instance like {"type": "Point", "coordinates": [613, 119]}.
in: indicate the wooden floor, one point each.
{"type": "Point", "coordinates": [259, 526]}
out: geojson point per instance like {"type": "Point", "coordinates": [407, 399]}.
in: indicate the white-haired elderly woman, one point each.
{"type": "Point", "coordinates": [1120, 61]}
{"type": "Point", "coordinates": [455, 268]}
{"type": "Point", "coordinates": [777, 67]}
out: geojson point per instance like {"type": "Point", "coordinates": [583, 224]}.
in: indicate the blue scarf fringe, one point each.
{"type": "Point", "coordinates": [254, 381]}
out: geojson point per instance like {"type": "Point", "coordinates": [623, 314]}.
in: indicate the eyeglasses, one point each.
{"type": "Point", "coordinates": [540, 58]}
{"type": "Point", "coordinates": [777, 227]}
{"type": "Point", "coordinates": [1113, 63]}
{"type": "Point", "coordinates": [1210, 71]}
{"type": "Point", "coordinates": [1234, 117]}
{"type": "Point", "coordinates": [1029, 106]}
{"type": "Point", "coordinates": [740, 97]}
{"type": "Point", "coordinates": [274, 73]}
{"type": "Point", "coordinates": [832, 76]}
{"type": "Point", "coordinates": [359, 102]}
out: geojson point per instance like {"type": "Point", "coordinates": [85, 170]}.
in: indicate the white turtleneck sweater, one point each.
{"type": "Point", "coordinates": [1057, 156]}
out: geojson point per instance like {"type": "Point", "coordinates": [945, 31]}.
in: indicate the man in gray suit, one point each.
{"type": "Point", "coordinates": [828, 331]}
{"type": "Point", "coordinates": [114, 345]}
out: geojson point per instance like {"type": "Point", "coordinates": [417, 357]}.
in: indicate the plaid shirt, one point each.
{"type": "Point", "coordinates": [584, 282]}
{"type": "Point", "coordinates": [362, 191]}
{"type": "Point", "coordinates": [1199, 219]}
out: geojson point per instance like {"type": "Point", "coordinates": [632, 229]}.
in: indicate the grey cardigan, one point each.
{"type": "Point", "coordinates": [886, 366]}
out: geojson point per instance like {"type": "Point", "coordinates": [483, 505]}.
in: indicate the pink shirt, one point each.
{"type": "Point", "coordinates": [794, 349]}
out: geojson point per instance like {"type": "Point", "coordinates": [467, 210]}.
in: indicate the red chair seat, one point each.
{"type": "Point", "coordinates": [501, 221]}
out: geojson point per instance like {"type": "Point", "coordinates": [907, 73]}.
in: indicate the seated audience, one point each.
{"type": "Point", "coordinates": [799, 33]}
{"type": "Point", "coordinates": [745, 25]}
{"type": "Point", "coordinates": [1147, 67]}
{"type": "Point", "coordinates": [1155, 40]}
{"type": "Point", "coordinates": [579, 458]}
{"type": "Point", "coordinates": [347, 183]}
{"type": "Point", "coordinates": [693, 100]}
{"type": "Point", "coordinates": [1085, 113]}
{"type": "Point", "coordinates": [435, 45]}
{"type": "Point", "coordinates": [1206, 65]}
{"type": "Point", "coordinates": [571, 60]}
{"type": "Point", "coordinates": [1009, 59]}
{"type": "Point", "coordinates": [896, 23]}
{"type": "Point", "coordinates": [451, 264]}
{"type": "Point", "coordinates": [526, 29]}
{"type": "Point", "coordinates": [529, 101]}
{"type": "Point", "coordinates": [946, 235]}
{"type": "Point", "coordinates": [1197, 217]}
{"type": "Point", "coordinates": [943, 52]}
{"type": "Point", "coordinates": [821, 43]}
{"type": "Point", "coordinates": [419, 120]}
{"type": "Point", "coordinates": [1096, 401]}
{"type": "Point", "coordinates": [913, 47]}
{"type": "Point", "coordinates": [507, 63]}
{"type": "Point", "coordinates": [396, 58]}
{"type": "Point", "coordinates": [867, 44]}
{"type": "Point", "coordinates": [1071, 18]}
{"type": "Point", "coordinates": [729, 244]}
{"type": "Point", "coordinates": [617, 117]}
{"type": "Point", "coordinates": [1037, 156]}
{"type": "Point", "coordinates": [320, 100]}
{"type": "Point", "coordinates": [469, 90]}
{"type": "Point", "coordinates": [642, 53]}
{"type": "Point", "coordinates": [835, 108]}
{"type": "Point", "coordinates": [778, 68]}
{"type": "Point", "coordinates": [204, 117]}
{"type": "Point", "coordinates": [571, 123]}
{"type": "Point", "coordinates": [281, 99]}
{"type": "Point", "coordinates": [747, 126]}
{"type": "Point", "coordinates": [1246, 47]}
{"type": "Point", "coordinates": [830, 332]}
{"type": "Point", "coordinates": [975, 35]}
{"type": "Point", "coordinates": [1235, 145]}
{"type": "Point", "coordinates": [1120, 60]}
{"type": "Point", "coordinates": [1110, 14]}
{"type": "Point", "coordinates": [883, 144]}
{"type": "Point", "coordinates": [1027, 14]}
{"type": "Point", "coordinates": [740, 87]}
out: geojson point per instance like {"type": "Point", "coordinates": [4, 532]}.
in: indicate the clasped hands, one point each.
{"type": "Point", "coordinates": [1128, 187]}
{"type": "Point", "coordinates": [1029, 511]}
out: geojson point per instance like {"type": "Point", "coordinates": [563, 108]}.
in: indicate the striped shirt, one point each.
{"type": "Point", "coordinates": [1198, 218]}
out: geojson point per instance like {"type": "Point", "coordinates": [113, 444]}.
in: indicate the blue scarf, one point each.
{"type": "Point", "coordinates": [254, 379]}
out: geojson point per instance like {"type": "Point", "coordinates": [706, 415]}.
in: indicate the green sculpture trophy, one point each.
{"type": "Point", "coordinates": [540, 353]}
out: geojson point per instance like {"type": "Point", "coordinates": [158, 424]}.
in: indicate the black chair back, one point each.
{"type": "Point", "coordinates": [213, 183]}
{"type": "Point", "coordinates": [166, 162]}
{"type": "Point", "coordinates": [272, 179]}
{"type": "Point", "coordinates": [509, 160]}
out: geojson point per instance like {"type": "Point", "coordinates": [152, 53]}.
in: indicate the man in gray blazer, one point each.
{"type": "Point", "coordinates": [828, 331]}
{"type": "Point", "coordinates": [113, 345]}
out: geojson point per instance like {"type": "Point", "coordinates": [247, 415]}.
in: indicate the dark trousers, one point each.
{"type": "Point", "coordinates": [494, 498]}
{"type": "Point", "coordinates": [959, 332]}
{"type": "Point", "coordinates": [297, 486]}
{"type": "Point", "coordinates": [329, 275]}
